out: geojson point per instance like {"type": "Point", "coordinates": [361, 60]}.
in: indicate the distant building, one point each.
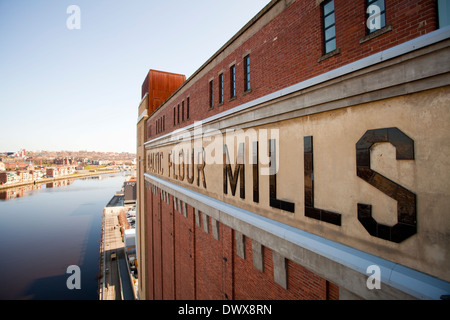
{"type": "Point", "coordinates": [130, 191]}
{"type": "Point", "coordinates": [52, 172]}
{"type": "Point", "coordinates": [24, 176]}
{"type": "Point", "coordinates": [64, 161]}
{"type": "Point", "coordinates": [100, 162]}
{"type": "Point", "coordinates": [35, 174]}
{"type": "Point", "coordinates": [3, 177]}
{"type": "Point", "coordinates": [8, 177]}
{"type": "Point", "coordinates": [20, 154]}
{"type": "Point", "coordinates": [19, 166]}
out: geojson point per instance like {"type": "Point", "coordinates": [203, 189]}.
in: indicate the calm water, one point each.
{"type": "Point", "coordinates": [45, 230]}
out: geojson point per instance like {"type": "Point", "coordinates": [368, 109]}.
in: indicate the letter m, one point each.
{"type": "Point", "coordinates": [239, 169]}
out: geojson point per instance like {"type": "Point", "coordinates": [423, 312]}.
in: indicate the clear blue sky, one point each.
{"type": "Point", "coordinates": [73, 90]}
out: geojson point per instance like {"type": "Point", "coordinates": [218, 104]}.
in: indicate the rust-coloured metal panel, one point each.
{"type": "Point", "coordinates": [160, 85]}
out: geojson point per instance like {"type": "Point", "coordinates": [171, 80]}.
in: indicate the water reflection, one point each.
{"type": "Point", "coordinates": [44, 228]}
{"type": "Point", "coordinates": [17, 192]}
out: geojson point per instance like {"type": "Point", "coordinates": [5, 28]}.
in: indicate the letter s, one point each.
{"type": "Point", "coordinates": [406, 200]}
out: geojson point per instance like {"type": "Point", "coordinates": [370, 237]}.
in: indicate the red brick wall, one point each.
{"type": "Point", "coordinates": [286, 52]}
{"type": "Point", "coordinates": [184, 254]}
{"type": "Point", "coordinates": [252, 284]}
{"type": "Point", "coordinates": [184, 262]}
{"type": "Point", "coordinates": [3, 177]}
{"type": "Point", "coordinates": [157, 249]}
{"type": "Point", "coordinates": [149, 244]}
{"type": "Point", "coordinates": [209, 265]}
{"type": "Point", "coordinates": [167, 251]}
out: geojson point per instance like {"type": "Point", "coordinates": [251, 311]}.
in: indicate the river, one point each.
{"type": "Point", "coordinates": [46, 228]}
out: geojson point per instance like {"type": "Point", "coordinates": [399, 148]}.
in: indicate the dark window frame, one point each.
{"type": "Point", "coordinates": [187, 108]}
{"type": "Point", "coordinates": [182, 111]}
{"type": "Point", "coordinates": [211, 94]}
{"type": "Point", "coordinates": [325, 29]}
{"type": "Point", "coordinates": [233, 81]}
{"type": "Point", "coordinates": [247, 83]}
{"type": "Point", "coordinates": [221, 88]}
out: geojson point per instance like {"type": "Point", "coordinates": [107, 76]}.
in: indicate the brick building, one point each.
{"type": "Point", "coordinates": [306, 159]}
{"type": "Point", "coordinates": [65, 161]}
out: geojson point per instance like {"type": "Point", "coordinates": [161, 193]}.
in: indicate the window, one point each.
{"type": "Point", "coordinates": [174, 116]}
{"type": "Point", "coordinates": [178, 113]}
{"type": "Point", "coordinates": [187, 108]}
{"type": "Point", "coordinates": [232, 81]}
{"type": "Point", "coordinates": [182, 111]}
{"type": "Point", "coordinates": [443, 13]}
{"type": "Point", "coordinates": [375, 15]}
{"type": "Point", "coordinates": [329, 29]}
{"type": "Point", "coordinates": [247, 73]}
{"type": "Point", "coordinates": [221, 88]}
{"type": "Point", "coordinates": [211, 94]}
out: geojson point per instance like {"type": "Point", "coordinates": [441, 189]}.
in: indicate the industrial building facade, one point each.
{"type": "Point", "coordinates": [307, 159]}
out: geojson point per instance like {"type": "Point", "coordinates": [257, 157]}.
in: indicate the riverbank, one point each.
{"type": "Point", "coordinates": [115, 279]}
{"type": "Point", "coordinates": [72, 176]}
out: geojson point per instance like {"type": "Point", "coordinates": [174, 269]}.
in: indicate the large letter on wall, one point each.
{"type": "Point", "coordinates": [406, 200]}
{"type": "Point", "coordinates": [239, 170]}
{"type": "Point", "coordinates": [274, 202]}
{"type": "Point", "coordinates": [310, 210]}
